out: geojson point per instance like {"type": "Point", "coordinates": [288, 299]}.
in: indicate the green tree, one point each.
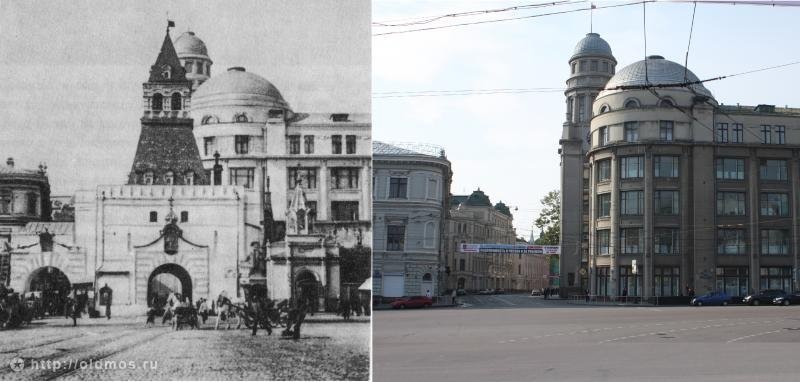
{"type": "Point", "coordinates": [549, 220]}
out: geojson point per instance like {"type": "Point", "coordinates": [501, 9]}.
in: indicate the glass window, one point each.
{"type": "Point", "coordinates": [344, 211]}
{"type": "Point", "coordinates": [730, 203]}
{"type": "Point", "coordinates": [307, 176]}
{"type": "Point", "coordinates": [737, 136]}
{"type": "Point", "coordinates": [184, 216]}
{"type": "Point", "coordinates": [582, 66]}
{"type": "Point", "coordinates": [395, 237]}
{"type": "Point", "coordinates": [603, 136]}
{"type": "Point", "coordinates": [766, 134]}
{"type": "Point", "coordinates": [773, 169]}
{"type": "Point", "coordinates": [733, 280]}
{"type": "Point", "coordinates": [730, 168]}
{"type": "Point", "coordinates": [242, 144]}
{"type": "Point", "coordinates": [603, 281]}
{"type": "Point", "coordinates": [722, 133]}
{"type": "Point", "coordinates": [5, 202]}
{"type": "Point", "coordinates": [573, 67]}
{"type": "Point", "coordinates": [629, 284]}
{"type": "Point", "coordinates": [209, 145]}
{"type": "Point", "coordinates": [631, 104]}
{"type": "Point", "coordinates": [398, 188]}
{"type": "Point", "coordinates": [668, 281]}
{"type": "Point", "coordinates": [631, 167]}
{"type": "Point", "coordinates": [603, 205]}
{"type": "Point", "coordinates": [666, 166]}
{"type": "Point", "coordinates": [157, 102]}
{"type": "Point", "coordinates": [631, 131]}
{"type": "Point", "coordinates": [603, 242]}
{"type": "Point", "coordinates": [242, 177]}
{"type": "Point", "coordinates": [308, 141]}
{"type": "Point", "coordinates": [593, 65]}
{"type": "Point", "coordinates": [344, 177]}
{"type": "Point", "coordinates": [666, 202]}
{"type": "Point", "coordinates": [351, 144]}
{"type": "Point", "coordinates": [581, 108]}
{"type": "Point", "coordinates": [774, 204]}
{"type": "Point", "coordinates": [780, 135]}
{"type": "Point", "coordinates": [665, 130]}
{"type": "Point", "coordinates": [605, 66]}
{"type": "Point", "coordinates": [731, 241]}
{"type": "Point", "coordinates": [294, 144]}
{"type": "Point", "coordinates": [631, 240]}
{"type": "Point", "coordinates": [33, 200]}
{"type": "Point", "coordinates": [603, 170]}
{"type": "Point", "coordinates": [336, 144]}
{"type": "Point", "coordinates": [774, 242]}
{"type": "Point", "coordinates": [153, 216]}
{"type": "Point", "coordinates": [776, 278]}
{"type": "Point", "coordinates": [667, 241]}
{"type": "Point", "coordinates": [631, 202]}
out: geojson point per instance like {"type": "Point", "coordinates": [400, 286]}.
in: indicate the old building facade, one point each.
{"type": "Point", "coordinates": [411, 190]}
{"type": "Point", "coordinates": [682, 191]}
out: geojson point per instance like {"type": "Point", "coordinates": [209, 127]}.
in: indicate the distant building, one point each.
{"type": "Point", "coordinates": [692, 192]}
{"type": "Point", "coordinates": [411, 190]}
{"type": "Point", "coordinates": [474, 220]}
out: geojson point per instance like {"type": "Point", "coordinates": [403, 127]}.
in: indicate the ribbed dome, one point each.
{"type": "Point", "coordinates": [237, 83]}
{"type": "Point", "coordinates": [478, 198]}
{"type": "Point", "coordinates": [592, 45]}
{"type": "Point", "coordinates": [188, 44]}
{"type": "Point", "coordinates": [659, 71]}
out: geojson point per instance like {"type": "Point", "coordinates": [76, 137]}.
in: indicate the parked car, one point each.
{"type": "Point", "coordinates": [765, 297]}
{"type": "Point", "coordinates": [787, 299]}
{"type": "Point", "coordinates": [412, 302]}
{"type": "Point", "coordinates": [536, 292]}
{"type": "Point", "coordinates": [500, 291]}
{"type": "Point", "coordinates": [486, 291]}
{"type": "Point", "coordinates": [461, 292]}
{"type": "Point", "coordinates": [713, 298]}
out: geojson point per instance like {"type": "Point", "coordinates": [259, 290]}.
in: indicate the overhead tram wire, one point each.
{"type": "Point", "coordinates": [468, 93]}
{"type": "Point", "coordinates": [512, 18]}
{"type": "Point", "coordinates": [688, 46]}
{"type": "Point", "coordinates": [430, 19]}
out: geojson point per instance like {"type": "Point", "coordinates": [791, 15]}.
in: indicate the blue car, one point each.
{"type": "Point", "coordinates": [713, 298]}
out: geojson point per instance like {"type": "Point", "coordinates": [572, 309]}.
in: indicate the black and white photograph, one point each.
{"type": "Point", "coordinates": [185, 190]}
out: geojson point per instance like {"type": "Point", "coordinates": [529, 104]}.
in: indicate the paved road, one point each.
{"type": "Point", "coordinates": [122, 349]}
{"type": "Point", "coordinates": [515, 301]}
{"type": "Point", "coordinates": [541, 342]}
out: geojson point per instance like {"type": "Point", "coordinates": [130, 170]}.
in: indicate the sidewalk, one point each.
{"type": "Point", "coordinates": [435, 305]}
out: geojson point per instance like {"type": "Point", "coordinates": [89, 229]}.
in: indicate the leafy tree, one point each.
{"type": "Point", "coordinates": [549, 220]}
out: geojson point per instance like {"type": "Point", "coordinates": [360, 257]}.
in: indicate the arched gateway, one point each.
{"type": "Point", "coordinates": [168, 278]}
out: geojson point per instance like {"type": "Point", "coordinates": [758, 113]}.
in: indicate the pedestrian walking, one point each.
{"type": "Point", "coordinates": [428, 293]}
{"type": "Point", "coordinates": [546, 293]}
{"type": "Point", "coordinates": [453, 295]}
{"type": "Point", "coordinates": [105, 299]}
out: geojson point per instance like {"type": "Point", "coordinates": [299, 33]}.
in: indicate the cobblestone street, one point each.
{"type": "Point", "coordinates": [123, 349]}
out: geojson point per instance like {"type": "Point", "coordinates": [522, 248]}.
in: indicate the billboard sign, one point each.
{"type": "Point", "coordinates": [511, 248]}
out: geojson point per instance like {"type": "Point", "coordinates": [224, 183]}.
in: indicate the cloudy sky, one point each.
{"type": "Point", "coordinates": [71, 72]}
{"type": "Point", "coordinates": [507, 144]}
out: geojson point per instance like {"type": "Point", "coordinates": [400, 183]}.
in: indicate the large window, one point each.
{"type": "Point", "coordinates": [773, 134]}
{"type": "Point", "coordinates": [603, 281]}
{"type": "Point", "coordinates": [398, 188]}
{"type": "Point", "coordinates": [305, 175]}
{"type": "Point", "coordinates": [336, 144]}
{"type": "Point", "coordinates": [351, 144]}
{"type": "Point", "coordinates": [666, 166]}
{"type": "Point", "coordinates": [667, 241]}
{"type": "Point", "coordinates": [395, 237]}
{"type": "Point", "coordinates": [344, 177]}
{"type": "Point", "coordinates": [665, 130]}
{"type": "Point", "coordinates": [631, 131]}
{"type": "Point", "coordinates": [581, 107]}
{"type": "Point", "coordinates": [774, 204]}
{"type": "Point", "coordinates": [632, 167]}
{"type": "Point", "coordinates": [668, 281]}
{"type": "Point", "coordinates": [5, 202]}
{"type": "Point", "coordinates": [731, 241]}
{"type": "Point", "coordinates": [602, 134]}
{"type": "Point", "coordinates": [344, 211]}
{"type": "Point", "coordinates": [666, 202]}
{"type": "Point", "coordinates": [603, 170]}
{"type": "Point", "coordinates": [733, 280]}
{"type": "Point", "coordinates": [242, 144]}
{"type": "Point", "coordinates": [631, 240]}
{"type": "Point", "coordinates": [308, 141]}
{"type": "Point", "coordinates": [294, 144]}
{"type": "Point", "coordinates": [737, 135]}
{"type": "Point", "coordinates": [603, 205]}
{"type": "Point", "coordinates": [774, 242]}
{"type": "Point", "coordinates": [730, 203]}
{"type": "Point", "coordinates": [603, 242]}
{"type": "Point", "coordinates": [631, 202]}
{"type": "Point", "coordinates": [177, 103]}
{"type": "Point", "coordinates": [722, 133]}
{"type": "Point", "coordinates": [157, 102]}
{"type": "Point", "coordinates": [32, 203]}
{"type": "Point", "coordinates": [209, 145]}
{"type": "Point", "coordinates": [629, 284]}
{"type": "Point", "coordinates": [242, 177]}
{"type": "Point", "coordinates": [730, 168]}
{"type": "Point", "coordinates": [773, 169]}
{"type": "Point", "coordinates": [776, 278]}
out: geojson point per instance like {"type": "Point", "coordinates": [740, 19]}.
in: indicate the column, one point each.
{"type": "Point", "coordinates": [323, 207]}
{"type": "Point", "coordinates": [647, 259]}
{"type": "Point", "coordinates": [794, 170]}
{"type": "Point", "coordinates": [751, 209]}
{"type": "Point", "coordinates": [614, 234]}
{"type": "Point", "coordinates": [686, 251]}
{"type": "Point", "coordinates": [592, 260]}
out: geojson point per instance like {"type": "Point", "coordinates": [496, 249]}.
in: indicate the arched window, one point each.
{"type": "Point", "coordinates": [157, 102]}
{"type": "Point", "coordinates": [188, 66]}
{"type": "Point", "coordinates": [604, 109]}
{"type": "Point", "coordinates": [666, 102]}
{"type": "Point", "coordinates": [631, 103]}
{"type": "Point", "coordinates": [241, 117]}
{"type": "Point", "coordinates": [148, 178]}
{"type": "Point", "coordinates": [208, 119]}
{"type": "Point", "coordinates": [188, 178]}
{"type": "Point", "coordinates": [427, 277]}
{"type": "Point", "coordinates": [177, 102]}
{"type": "Point", "coordinates": [169, 178]}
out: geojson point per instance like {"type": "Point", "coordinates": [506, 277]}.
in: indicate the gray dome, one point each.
{"type": "Point", "coordinates": [659, 71]}
{"type": "Point", "coordinates": [188, 44]}
{"type": "Point", "coordinates": [592, 45]}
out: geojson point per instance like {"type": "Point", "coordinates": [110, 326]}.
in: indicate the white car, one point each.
{"type": "Point", "coordinates": [536, 292]}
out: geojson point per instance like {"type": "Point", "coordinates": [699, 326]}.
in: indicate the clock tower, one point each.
{"type": "Point", "coordinates": [167, 153]}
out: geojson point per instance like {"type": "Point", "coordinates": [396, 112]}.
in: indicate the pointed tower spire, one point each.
{"type": "Point", "coordinates": [167, 67]}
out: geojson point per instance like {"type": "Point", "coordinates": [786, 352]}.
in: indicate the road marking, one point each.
{"type": "Point", "coordinates": [753, 335]}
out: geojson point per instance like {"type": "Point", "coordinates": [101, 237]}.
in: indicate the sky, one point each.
{"type": "Point", "coordinates": [507, 144]}
{"type": "Point", "coordinates": [71, 72]}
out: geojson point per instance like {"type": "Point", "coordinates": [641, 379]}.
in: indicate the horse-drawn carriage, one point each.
{"type": "Point", "coordinates": [184, 315]}
{"type": "Point", "coordinates": [255, 309]}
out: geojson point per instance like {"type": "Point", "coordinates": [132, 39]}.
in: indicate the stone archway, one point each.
{"type": "Point", "coordinates": [168, 278]}
{"type": "Point", "coordinates": [307, 289]}
{"type": "Point", "coordinates": [51, 286]}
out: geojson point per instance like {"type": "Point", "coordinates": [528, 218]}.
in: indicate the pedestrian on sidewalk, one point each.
{"type": "Point", "coordinates": [428, 293]}
{"type": "Point", "coordinates": [105, 298]}
{"type": "Point", "coordinates": [454, 296]}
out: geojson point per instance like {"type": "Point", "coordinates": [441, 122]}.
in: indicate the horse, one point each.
{"type": "Point", "coordinates": [229, 310]}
